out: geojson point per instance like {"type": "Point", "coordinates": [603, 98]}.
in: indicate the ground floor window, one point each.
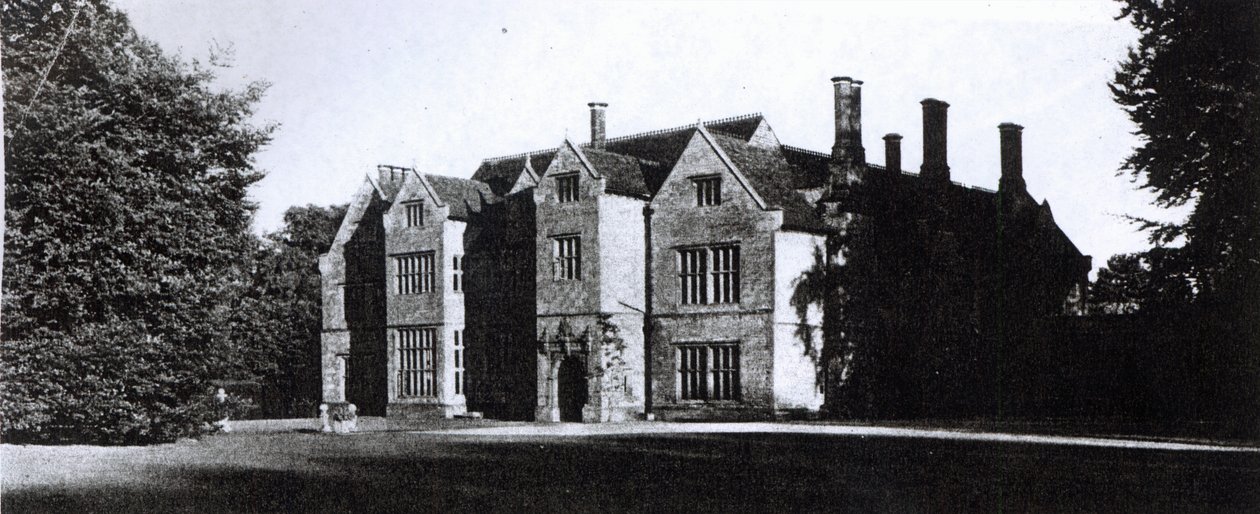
{"type": "Point", "coordinates": [708, 371]}
{"type": "Point", "coordinates": [459, 362]}
{"type": "Point", "coordinates": [417, 362]}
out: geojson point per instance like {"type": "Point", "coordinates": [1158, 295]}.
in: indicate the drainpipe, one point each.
{"type": "Point", "coordinates": [647, 313]}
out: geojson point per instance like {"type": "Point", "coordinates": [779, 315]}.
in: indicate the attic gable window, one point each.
{"type": "Point", "coordinates": [708, 191]}
{"type": "Point", "coordinates": [415, 213]}
{"type": "Point", "coordinates": [567, 187]}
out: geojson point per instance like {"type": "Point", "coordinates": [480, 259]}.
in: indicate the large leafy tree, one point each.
{"type": "Point", "coordinates": [278, 326]}
{"type": "Point", "coordinates": [1192, 87]}
{"type": "Point", "coordinates": [126, 228]}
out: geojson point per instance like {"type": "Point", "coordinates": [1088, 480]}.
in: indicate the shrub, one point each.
{"type": "Point", "coordinates": [105, 384]}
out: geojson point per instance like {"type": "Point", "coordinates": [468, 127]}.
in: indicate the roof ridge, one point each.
{"type": "Point", "coordinates": [642, 161]}
{"type": "Point", "coordinates": [724, 133]}
{"type": "Point", "coordinates": [656, 132]}
{"type": "Point", "coordinates": [954, 182]}
{"type": "Point", "coordinates": [679, 128]}
{"type": "Point", "coordinates": [806, 151]}
{"type": "Point", "coordinates": [495, 160]}
{"type": "Point", "coordinates": [729, 119]}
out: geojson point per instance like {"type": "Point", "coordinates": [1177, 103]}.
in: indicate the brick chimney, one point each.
{"type": "Point", "coordinates": [597, 124]}
{"type": "Point", "coordinates": [848, 147]}
{"type": "Point", "coordinates": [1012, 158]}
{"type": "Point", "coordinates": [892, 152]}
{"type": "Point", "coordinates": [935, 165]}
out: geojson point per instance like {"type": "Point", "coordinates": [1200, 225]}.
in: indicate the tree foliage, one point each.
{"type": "Point", "coordinates": [126, 228]}
{"type": "Point", "coordinates": [1146, 281]}
{"type": "Point", "coordinates": [277, 331]}
{"type": "Point", "coordinates": [1192, 87]}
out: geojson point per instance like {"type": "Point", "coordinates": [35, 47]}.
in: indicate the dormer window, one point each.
{"type": "Point", "coordinates": [708, 191]}
{"type": "Point", "coordinates": [567, 187]}
{"type": "Point", "coordinates": [415, 213]}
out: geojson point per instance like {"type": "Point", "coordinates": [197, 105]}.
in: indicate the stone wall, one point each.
{"type": "Point", "coordinates": [677, 222]}
{"type": "Point", "coordinates": [797, 339]}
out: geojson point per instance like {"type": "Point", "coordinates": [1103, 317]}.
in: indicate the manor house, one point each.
{"type": "Point", "coordinates": [648, 273]}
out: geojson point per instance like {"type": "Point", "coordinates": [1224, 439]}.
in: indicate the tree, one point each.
{"type": "Point", "coordinates": [278, 329]}
{"type": "Point", "coordinates": [1144, 281]}
{"type": "Point", "coordinates": [1192, 87]}
{"type": "Point", "coordinates": [126, 228]}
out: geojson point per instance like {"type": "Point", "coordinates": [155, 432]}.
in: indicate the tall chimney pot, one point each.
{"type": "Point", "coordinates": [892, 152]}
{"type": "Point", "coordinates": [848, 116]}
{"type": "Point", "coordinates": [935, 122]}
{"type": "Point", "coordinates": [1012, 157]}
{"type": "Point", "coordinates": [597, 124]}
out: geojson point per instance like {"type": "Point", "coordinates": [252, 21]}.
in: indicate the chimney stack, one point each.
{"type": "Point", "coordinates": [1012, 157]}
{"type": "Point", "coordinates": [848, 147]}
{"type": "Point", "coordinates": [892, 152]}
{"type": "Point", "coordinates": [597, 124]}
{"type": "Point", "coordinates": [935, 165]}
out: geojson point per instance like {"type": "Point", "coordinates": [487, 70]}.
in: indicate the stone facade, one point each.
{"type": "Point", "coordinates": [655, 273]}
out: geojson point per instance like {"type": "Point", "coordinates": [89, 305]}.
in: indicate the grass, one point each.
{"type": "Point", "coordinates": [398, 471]}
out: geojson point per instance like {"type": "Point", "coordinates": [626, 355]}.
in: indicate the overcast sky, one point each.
{"type": "Point", "coordinates": [442, 85]}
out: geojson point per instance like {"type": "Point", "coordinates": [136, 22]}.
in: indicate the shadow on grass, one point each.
{"type": "Point", "coordinates": [744, 472]}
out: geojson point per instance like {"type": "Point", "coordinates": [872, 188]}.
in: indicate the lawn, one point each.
{"type": "Point", "coordinates": [398, 471]}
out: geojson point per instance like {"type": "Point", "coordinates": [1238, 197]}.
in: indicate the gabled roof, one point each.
{"type": "Point", "coordinates": [623, 174]}
{"type": "Point", "coordinates": [463, 196]}
{"type": "Point", "coordinates": [581, 156]}
{"type": "Point", "coordinates": [742, 127]}
{"type": "Point", "coordinates": [501, 173]}
{"type": "Point", "coordinates": [363, 197]}
{"type": "Point", "coordinates": [766, 170]}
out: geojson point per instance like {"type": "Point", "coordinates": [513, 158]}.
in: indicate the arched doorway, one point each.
{"type": "Point", "coordinates": [572, 388]}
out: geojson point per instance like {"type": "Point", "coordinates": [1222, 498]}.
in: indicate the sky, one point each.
{"type": "Point", "coordinates": [442, 85]}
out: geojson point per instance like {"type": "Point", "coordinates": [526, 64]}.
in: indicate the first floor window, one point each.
{"type": "Point", "coordinates": [708, 371]}
{"type": "Point", "coordinates": [416, 273]}
{"type": "Point", "coordinates": [709, 275]}
{"type": "Point", "coordinates": [417, 362]}
{"type": "Point", "coordinates": [568, 257]}
{"type": "Point", "coordinates": [457, 273]}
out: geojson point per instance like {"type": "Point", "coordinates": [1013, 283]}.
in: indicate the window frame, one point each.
{"type": "Point", "coordinates": [460, 359]}
{"type": "Point", "coordinates": [413, 211]}
{"type": "Point", "coordinates": [457, 273]}
{"type": "Point", "coordinates": [708, 372]}
{"type": "Point", "coordinates": [568, 187]}
{"type": "Point", "coordinates": [710, 274]}
{"type": "Point", "coordinates": [414, 278]}
{"type": "Point", "coordinates": [418, 362]}
{"type": "Point", "coordinates": [566, 267]}
{"type": "Point", "coordinates": [708, 190]}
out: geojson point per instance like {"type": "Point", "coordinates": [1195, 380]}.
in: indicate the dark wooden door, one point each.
{"type": "Point", "coordinates": [572, 388]}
